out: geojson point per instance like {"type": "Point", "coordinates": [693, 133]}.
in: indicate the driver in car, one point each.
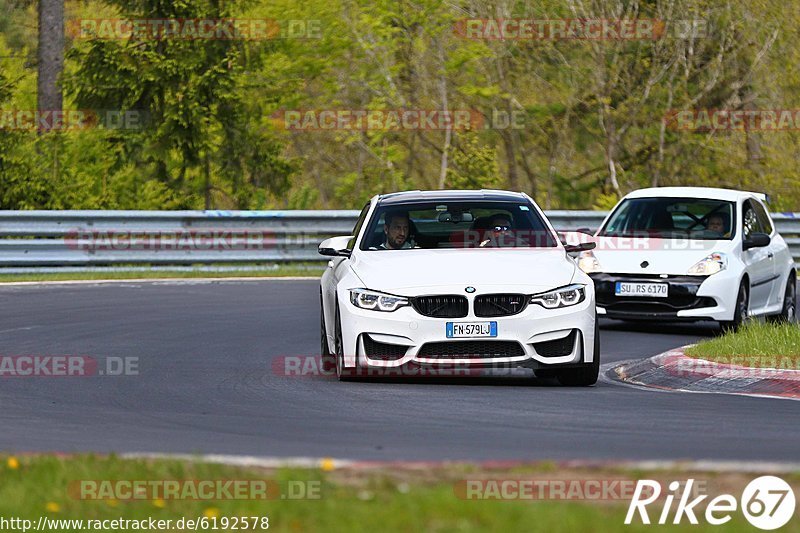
{"type": "Point", "coordinates": [396, 227]}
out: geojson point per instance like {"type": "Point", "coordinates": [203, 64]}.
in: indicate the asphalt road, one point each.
{"type": "Point", "coordinates": [206, 384]}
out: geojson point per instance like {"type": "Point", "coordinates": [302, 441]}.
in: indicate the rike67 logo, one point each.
{"type": "Point", "coordinates": [767, 502]}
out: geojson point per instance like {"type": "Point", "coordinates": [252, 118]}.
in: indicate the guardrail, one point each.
{"type": "Point", "coordinates": [788, 225]}
{"type": "Point", "coordinates": [91, 238]}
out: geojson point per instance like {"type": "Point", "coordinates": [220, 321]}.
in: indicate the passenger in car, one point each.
{"type": "Point", "coordinates": [499, 231]}
{"type": "Point", "coordinates": [716, 223]}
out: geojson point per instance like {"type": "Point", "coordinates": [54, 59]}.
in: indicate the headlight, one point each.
{"type": "Point", "coordinates": [711, 264]}
{"type": "Point", "coordinates": [376, 301]}
{"type": "Point", "coordinates": [563, 297]}
{"type": "Point", "coordinates": [588, 262]}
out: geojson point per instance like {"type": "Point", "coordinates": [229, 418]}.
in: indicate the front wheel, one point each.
{"type": "Point", "coordinates": [587, 373]}
{"type": "Point", "coordinates": [327, 359]}
{"type": "Point", "coordinates": [323, 335]}
{"type": "Point", "coordinates": [740, 312]}
{"type": "Point", "coordinates": [342, 373]}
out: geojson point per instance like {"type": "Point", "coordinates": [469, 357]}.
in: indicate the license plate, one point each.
{"type": "Point", "coordinates": [656, 290]}
{"type": "Point", "coordinates": [457, 330]}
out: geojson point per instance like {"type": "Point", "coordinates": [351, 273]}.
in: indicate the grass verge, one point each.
{"type": "Point", "coordinates": [757, 344]}
{"type": "Point", "coordinates": [383, 499]}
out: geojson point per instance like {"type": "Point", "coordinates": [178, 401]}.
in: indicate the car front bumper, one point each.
{"type": "Point", "coordinates": [540, 338]}
{"type": "Point", "coordinates": [689, 297]}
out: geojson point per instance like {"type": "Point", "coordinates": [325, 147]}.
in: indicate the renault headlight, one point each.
{"type": "Point", "coordinates": [376, 301]}
{"type": "Point", "coordinates": [588, 262]}
{"type": "Point", "coordinates": [711, 264]}
{"type": "Point", "coordinates": [563, 297]}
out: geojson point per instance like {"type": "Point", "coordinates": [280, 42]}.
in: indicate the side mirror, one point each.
{"type": "Point", "coordinates": [756, 240]}
{"type": "Point", "coordinates": [335, 246]}
{"type": "Point", "coordinates": [582, 247]}
{"type": "Point", "coordinates": [576, 242]}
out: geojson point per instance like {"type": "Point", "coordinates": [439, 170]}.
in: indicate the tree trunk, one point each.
{"type": "Point", "coordinates": [207, 176]}
{"type": "Point", "coordinates": [511, 159]}
{"type": "Point", "coordinates": [752, 141]}
{"type": "Point", "coordinates": [662, 131]}
{"type": "Point", "coordinates": [50, 55]}
{"type": "Point", "coordinates": [611, 155]}
{"type": "Point", "coordinates": [448, 133]}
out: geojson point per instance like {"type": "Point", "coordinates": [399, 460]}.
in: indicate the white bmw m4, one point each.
{"type": "Point", "coordinates": [468, 279]}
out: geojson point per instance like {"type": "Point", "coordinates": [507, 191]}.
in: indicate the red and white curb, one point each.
{"type": "Point", "coordinates": [675, 371]}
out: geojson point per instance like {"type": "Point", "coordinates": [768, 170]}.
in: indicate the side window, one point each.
{"type": "Point", "coordinates": [763, 218]}
{"type": "Point", "coordinates": [750, 222]}
{"type": "Point", "coordinates": [357, 229]}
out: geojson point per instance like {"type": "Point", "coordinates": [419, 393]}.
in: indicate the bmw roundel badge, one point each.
{"type": "Point", "coordinates": [470, 289]}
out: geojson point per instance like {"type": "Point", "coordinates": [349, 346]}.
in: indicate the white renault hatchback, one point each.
{"type": "Point", "coordinates": [475, 279]}
{"type": "Point", "coordinates": [691, 253]}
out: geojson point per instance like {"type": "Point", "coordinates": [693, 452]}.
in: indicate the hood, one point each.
{"type": "Point", "coordinates": [623, 255]}
{"type": "Point", "coordinates": [518, 270]}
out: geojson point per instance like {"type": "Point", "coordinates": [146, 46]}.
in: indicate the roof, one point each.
{"type": "Point", "coordinates": [694, 192]}
{"type": "Point", "coordinates": [443, 195]}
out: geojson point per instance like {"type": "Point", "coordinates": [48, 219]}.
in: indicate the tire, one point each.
{"type": "Point", "coordinates": [586, 375]}
{"type": "Point", "coordinates": [323, 335]}
{"type": "Point", "coordinates": [342, 374]}
{"type": "Point", "coordinates": [740, 313]}
{"type": "Point", "coordinates": [326, 358]}
{"type": "Point", "coordinates": [789, 311]}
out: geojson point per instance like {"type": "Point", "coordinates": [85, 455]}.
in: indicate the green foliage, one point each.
{"type": "Point", "coordinates": [582, 108]}
{"type": "Point", "coordinates": [304, 197]}
{"type": "Point", "coordinates": [605, 202]}
{"type": "Point", "coordinates": [202, 142]}
{"type": "Point", "coordinates": [474, 166]}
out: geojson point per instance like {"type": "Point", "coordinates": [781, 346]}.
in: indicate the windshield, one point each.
{"type": "Point", "coordinates": [672, 218]}
{"type": "Point", "coordinates": [459, 224]}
